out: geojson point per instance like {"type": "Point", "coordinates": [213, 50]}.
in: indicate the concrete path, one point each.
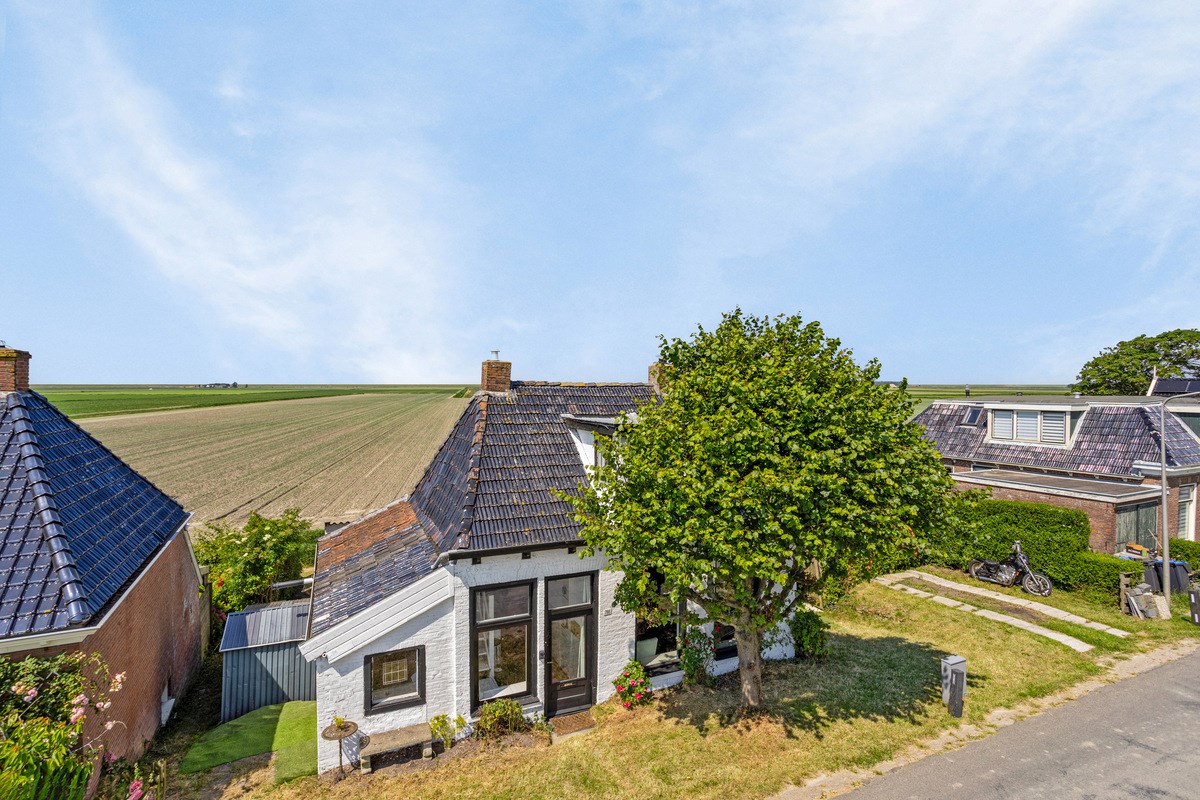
{"type": "Point", "coordinates": [1133, 739]}
{"type": "Point", "coordinates": [1033, 605]}
{"type": "Point", "coordinates": [893, 582]}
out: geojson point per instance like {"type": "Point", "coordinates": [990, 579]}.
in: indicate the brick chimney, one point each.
{"type": "Point", "coordinates": [497, 376]}
{"type": "Point", "coordinates": [14, 370]}
{"type": "Point", "coordinates": [652, 376]}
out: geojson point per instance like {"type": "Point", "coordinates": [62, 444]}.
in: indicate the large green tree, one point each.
{"type": "Point", "coordinates": [1126, 367]}
{"type": "Point", "coordinates": [769, 449]}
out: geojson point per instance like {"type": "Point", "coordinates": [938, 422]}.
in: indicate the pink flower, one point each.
{"type": "Point", "coordinates": [620, 688]}
{"type": "Point", "coordinates": [135, 791]}
{"type": "Point", "coordinates": [32, 693]}
{"type": "Point", "coordinates": [638, 695]}
{"type": "Point", "coordinates": [627, 704]}
{"type": "Point", "coordinates": [76, 715]}
{"type": "Point", "coordinates": [80, 700]}
{"type": "Point", "coordinates": [110, 757]}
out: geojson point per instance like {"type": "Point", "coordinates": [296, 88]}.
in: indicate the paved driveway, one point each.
{"type": "Point", "coordinates": [1139, 738]}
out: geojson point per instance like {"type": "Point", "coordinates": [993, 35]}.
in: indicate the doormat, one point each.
{"type": "Point", "coordinates": [572, 723]}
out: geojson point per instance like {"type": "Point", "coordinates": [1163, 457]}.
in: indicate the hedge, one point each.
{"type": "Point", "coordinates": [1183, 550]}
{"type": "Point", "coordinates": [1054, 538]}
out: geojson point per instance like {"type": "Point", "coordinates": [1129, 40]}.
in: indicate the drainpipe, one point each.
{"type": "Point", "coordinates": [1162, 466]}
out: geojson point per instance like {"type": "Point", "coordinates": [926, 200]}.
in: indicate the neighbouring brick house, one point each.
{"type": "Point", "coordinates": [1099, 455]}
{"type": "Point", "coordinates": [475, 587]}
{"type": "Point", "coordinates": [93, 558]}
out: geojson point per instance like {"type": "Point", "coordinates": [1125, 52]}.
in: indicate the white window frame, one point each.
{"type": "Point", "coordinates": [1015, 438]}
{"type": "Point", "coordinates": [1188, 530]}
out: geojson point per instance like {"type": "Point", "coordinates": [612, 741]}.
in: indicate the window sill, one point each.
{"type": "Point", "coordinates": [393, 705]}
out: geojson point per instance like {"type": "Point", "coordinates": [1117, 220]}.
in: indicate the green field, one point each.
{"type": "Point", "coordinates": [81, 402]}
{"type": "Point", "coordinates": [926, 393]}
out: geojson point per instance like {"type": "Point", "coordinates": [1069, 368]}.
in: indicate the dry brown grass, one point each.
{"type": "Point", "coordinates": [876, 695]}
{"type": "Point", "coordinates": [336, 457]}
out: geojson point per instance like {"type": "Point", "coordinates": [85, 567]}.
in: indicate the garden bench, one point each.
{"type": "Point", "coordinates": [399, 739]}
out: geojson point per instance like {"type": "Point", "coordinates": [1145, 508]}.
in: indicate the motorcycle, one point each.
{"type": "Point", "coordinates": [1010, 570]}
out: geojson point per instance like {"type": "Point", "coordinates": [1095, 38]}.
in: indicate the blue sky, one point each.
{"type": "Point", "coordinates": [290, 192]}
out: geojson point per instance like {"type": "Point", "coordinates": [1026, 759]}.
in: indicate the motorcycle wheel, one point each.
{"type": "Point", "coordinates": [1038, 584]}
{"type": "Point", "coordinates": [973, 570]}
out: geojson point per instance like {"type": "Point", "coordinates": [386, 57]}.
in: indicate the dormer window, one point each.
{"type": "Point", "coordinates": [1040, 427]}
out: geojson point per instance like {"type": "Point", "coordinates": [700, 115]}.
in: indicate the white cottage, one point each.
{"type": "Point", "coordinates": [473, 588]}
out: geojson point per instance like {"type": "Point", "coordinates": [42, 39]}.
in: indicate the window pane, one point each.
{"type": "Point", "coordinates": [503, 662]}
{"type": "Point", "coordinates": [511, 601]}
{"type": "Point", "coordinates": [562, 592]}
{"type": "Point", "coordinates": [1027, 425]}
{"type": "Point", "coordinates": [394, 676]}
{"type": "Point", "coordinates": [568, 648]}
{"type": "Point", "coordinates": [1054, 427]}
{"type": "Point", "coordinates": [1002, 424]}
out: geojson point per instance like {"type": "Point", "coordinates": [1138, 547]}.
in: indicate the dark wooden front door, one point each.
{"type": "Point", "coordinates": [570, 643]}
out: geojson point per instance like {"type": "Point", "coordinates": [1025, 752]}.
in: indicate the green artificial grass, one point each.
{"type": "Point", "coordinates": [296, 761]}
{"type": "Point", "coordinates": [271, 728]}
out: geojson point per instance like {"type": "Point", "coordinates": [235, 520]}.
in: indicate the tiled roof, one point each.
{"type": "Point", "coordinates": [488, 487]}
{"type": "Point", "coordinates": [490, 484]}
{"type": "Point", "coordinates": [1109, 440]}
{"type": "Point", "coordinates": [368, 560]}
{"type": "Point", "coordinates": [76, 523]}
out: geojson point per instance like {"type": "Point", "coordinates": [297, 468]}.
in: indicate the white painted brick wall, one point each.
{"type": "Point", "coordinates": [445, 632]}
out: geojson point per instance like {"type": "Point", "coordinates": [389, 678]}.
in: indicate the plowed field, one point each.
{"type": "Point", "coordinates": [334, 457]}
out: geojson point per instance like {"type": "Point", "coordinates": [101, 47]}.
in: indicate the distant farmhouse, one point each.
{"type": "Point", "coordinates": [93, 558]}
{"type": "Point", "coordinates": [233, 385]}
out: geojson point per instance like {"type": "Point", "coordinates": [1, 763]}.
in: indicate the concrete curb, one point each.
{"type": "Point", "coordinates": [892, 582]}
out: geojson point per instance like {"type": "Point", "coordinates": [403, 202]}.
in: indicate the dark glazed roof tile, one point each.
{"type": "Point", "coordinates": [1110, 439]}
{"type": "Point", "coordinates": [102, 519]}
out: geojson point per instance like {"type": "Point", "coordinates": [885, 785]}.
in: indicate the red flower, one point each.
{"type": "Point", "coordinates": [620, 688]}
{"type": "Point", "coordinates": [627, 704]}
{"type": "Point", "coordinates": [638, 695]}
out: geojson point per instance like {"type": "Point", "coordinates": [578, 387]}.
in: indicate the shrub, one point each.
{"type": "Point", "coordinates": [44, 703]}
{"type": "Point", "coordinates": [696, 655]}
{"type": "Point", "coordinates": [498, 718]}
{"type": "Point", "coordinates": [1055, 539]}
{"type": "Point", "coordinates": [1183, 550]}
{"type": "Point", "coordinates": [246, 561]}
{"type": "Point", "coordinates": [632, 685]}
{"type": "Point", "coordinates": [444, 730]}
{"type": "Point", "coordinates": [809, 634]}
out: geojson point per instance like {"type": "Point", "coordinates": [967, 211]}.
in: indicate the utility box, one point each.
{"type": "Point", "coordinates": [1194, 601]}
{"type": "Point", "coordinates": [950, 665]}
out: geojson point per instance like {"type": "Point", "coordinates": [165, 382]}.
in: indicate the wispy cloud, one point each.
{"type": "Point", "coordinates": [343, 262]}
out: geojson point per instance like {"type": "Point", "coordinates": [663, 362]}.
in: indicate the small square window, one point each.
{"type": "Point", "coordinates": [972, 416]}
{"type": "Point", "coordinates": [395, 679]}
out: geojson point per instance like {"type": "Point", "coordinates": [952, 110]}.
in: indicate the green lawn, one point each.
{"type": "Point", "coordinates": [287, 729]}
{"type": "Point", "coordinates": [926, 393]}
{"type": "Point", "coordinates": [81, 402]}
{"type": "Point", "coordinates": [877, 694]}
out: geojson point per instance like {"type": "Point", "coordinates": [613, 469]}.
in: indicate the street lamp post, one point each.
{"type": "Point", "coordinates": [1162, 476]}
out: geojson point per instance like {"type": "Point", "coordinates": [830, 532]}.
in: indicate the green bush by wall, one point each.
{"type": "Point", "coordinates": [1183, 550]}
{"type": "Point", "coordinates": [1054, 538]}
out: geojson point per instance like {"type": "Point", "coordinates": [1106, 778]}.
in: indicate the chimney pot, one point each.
{"type": "Point", "coordinates": [497, 376]}
{"type": "Point", "coordinates": [14, 370]}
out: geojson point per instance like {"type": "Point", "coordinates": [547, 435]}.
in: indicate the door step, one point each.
{"type": "Point", "coordinates": [570, 724]}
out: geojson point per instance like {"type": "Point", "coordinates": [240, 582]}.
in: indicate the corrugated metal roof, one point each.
{"type": "Point", "coordinates": [1110, 491]}
{"type": "Point", "coordinates": [272, 624]}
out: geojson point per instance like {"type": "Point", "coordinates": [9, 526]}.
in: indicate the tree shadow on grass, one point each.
{"type": "Point", "coordinates": [883, 679]}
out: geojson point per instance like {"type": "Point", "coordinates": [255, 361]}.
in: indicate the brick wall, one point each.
{"type": "Point", "coordinates": [14, 370]}
{"type": "Point", "coordinates": [154, 638]}
{"type": "Point", "coordinates": [496, 376]}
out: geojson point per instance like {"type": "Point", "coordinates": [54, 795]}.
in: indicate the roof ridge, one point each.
{"type": "Point", "coordinates": [580, 383]}
{"type": "Point", "coordinates": [376, 512]}
{"type": "Point", "coordinates": [463, 539]}
{"type": "Point", "coordinates": [66, 569]}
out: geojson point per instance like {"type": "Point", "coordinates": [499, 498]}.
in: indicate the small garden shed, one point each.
{"type": "Point", "coordinates": [260, 658]}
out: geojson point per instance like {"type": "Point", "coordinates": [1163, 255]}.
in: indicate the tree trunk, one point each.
{"type": "Point", "coordinates": [750, 666]}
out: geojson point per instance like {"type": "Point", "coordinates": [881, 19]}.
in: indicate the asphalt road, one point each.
{"type": "Point", "coordinates": [1139, 738]}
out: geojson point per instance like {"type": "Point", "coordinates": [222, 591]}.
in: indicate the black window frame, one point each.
{"type": "Point", "coordinates": [529, 620]}
{"type": "Point", "coordinates": [371, 709]}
